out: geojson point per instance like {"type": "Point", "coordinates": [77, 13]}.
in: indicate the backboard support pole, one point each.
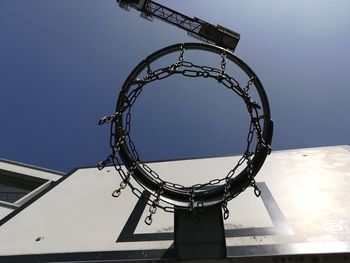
{"type": "Point", "coordinates": [200, 235]}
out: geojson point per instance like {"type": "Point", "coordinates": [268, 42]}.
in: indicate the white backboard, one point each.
{"type": "Point", "coordinates": [304, 208]}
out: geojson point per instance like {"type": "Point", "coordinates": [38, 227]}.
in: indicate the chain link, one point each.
{"type": "Point", "coordinates": [223, 63]}
{"type": "Point", "coordinates": [155, 203]}
{"type": "Point", "coordinates": [107, 119]}
{"type": "Point", "coordinates": [226, 198]}
{"type": "Point", "coordinates": [249, 83]}
{"type": "Point", "coordinates": [191, 200]}
{"type": "Point", "coordinates": [182, 51]}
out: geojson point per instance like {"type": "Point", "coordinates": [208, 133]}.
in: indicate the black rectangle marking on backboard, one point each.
{"type": "Point", "coordinates": [280, 224]}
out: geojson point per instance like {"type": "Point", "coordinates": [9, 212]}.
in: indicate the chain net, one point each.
{"type": "Point", "coordinates": [120, 126]}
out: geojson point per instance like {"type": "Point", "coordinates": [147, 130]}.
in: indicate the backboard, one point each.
{"type": "Point", "coordinates": [303, 211]}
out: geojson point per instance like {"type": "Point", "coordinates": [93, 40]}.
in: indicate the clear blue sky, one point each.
{"type": "Point", "coordinates": [62, 64]}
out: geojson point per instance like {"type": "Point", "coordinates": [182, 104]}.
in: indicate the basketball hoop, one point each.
{"type": "Point", "coordinates": [216, 192]}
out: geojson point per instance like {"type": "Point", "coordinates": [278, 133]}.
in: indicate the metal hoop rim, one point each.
{"type": "Point", "coordinates": [243, 179]}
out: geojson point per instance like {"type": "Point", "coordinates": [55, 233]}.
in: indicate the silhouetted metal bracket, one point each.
{"type": "Point", "coordinates": [200, 235]}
